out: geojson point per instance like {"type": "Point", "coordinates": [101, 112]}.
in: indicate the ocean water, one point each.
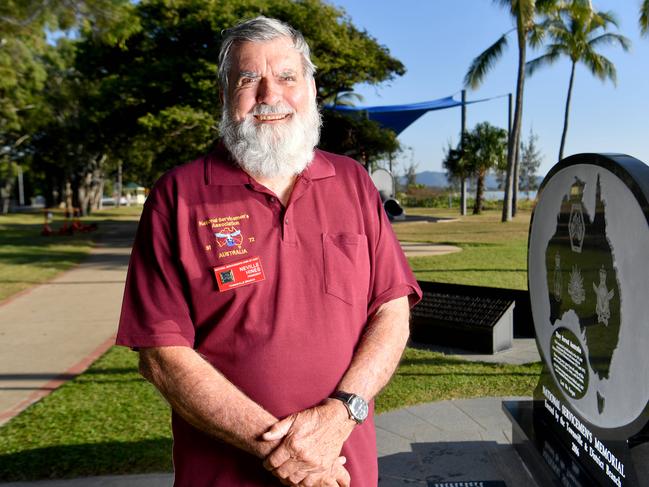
{"type": "Point", "coordinates": [499, 195]}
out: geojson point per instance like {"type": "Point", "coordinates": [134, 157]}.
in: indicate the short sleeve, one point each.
{"type": "Point", "coordinates": [154, 309]}
{"type": "Point", "coordinates": [391, 276]}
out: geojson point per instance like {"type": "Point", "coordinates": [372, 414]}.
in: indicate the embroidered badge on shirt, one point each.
{"type": "Point", "coordinates": [239, 273]}
{"type": "Point", "coordinates": [228, 234]}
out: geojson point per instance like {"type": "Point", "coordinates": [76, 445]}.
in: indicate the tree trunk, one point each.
{"type": "Point", "coordinates": [463, 196]}
{"type": "Point", "coordinates": [512, 149]}
{"type": "Point", "coordinates": [99, 192]}
{"type": "Point", "coordinates": [479, 193]}
{"type": "Point", "coordinates": [567, 112]}
{"type": "Point", "coordinates": [68, 194]}
{"type": "Point", "coordinates": [7, 186]}
{"type": "Point", "coordinates": [90, 185]}
{"type": "Point", "coordinates": [83, 193]}
{"type": "Point", "coordinates": [5, 192]}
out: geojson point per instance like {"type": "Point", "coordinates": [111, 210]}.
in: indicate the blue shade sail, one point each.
{"type": "Point", "coordinates": [400, 117]}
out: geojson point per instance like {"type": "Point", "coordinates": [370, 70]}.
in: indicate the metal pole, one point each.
{"type": "Point", "coordinates": [463, 129]}
{"type": "Point", "coordinates": [462, 132]}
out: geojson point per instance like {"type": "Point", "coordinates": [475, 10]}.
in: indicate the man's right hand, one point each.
{"type": "Point", "coordinates": [310, 445]}
{"type": "Point", "coordinates": [336, 476]}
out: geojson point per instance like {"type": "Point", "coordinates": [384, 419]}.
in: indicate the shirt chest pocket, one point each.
{"type": "Point", "coordinates": [346, 266]}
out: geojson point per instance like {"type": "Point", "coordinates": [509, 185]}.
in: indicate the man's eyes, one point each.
{"type": "Point", "coordinates": [284, 78]}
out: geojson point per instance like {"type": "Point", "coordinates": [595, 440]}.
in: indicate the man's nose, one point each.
{"type": "Point", "coordinates": [268, 92]}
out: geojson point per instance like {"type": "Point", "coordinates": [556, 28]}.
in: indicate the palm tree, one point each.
{"type": "Point", "coordinates": [523, 13]}
{"type": "Point", "coordinates": [644, 17]}
{"type": "Point", "coordinates": [576, 31]}
{"type": "Point", "coordinates": [484, 149]}
{"type": "Point", "coordinates": [457, 170]}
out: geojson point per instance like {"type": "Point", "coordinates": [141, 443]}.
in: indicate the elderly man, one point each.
{"type": "Point", "coordinates": [267, 294]}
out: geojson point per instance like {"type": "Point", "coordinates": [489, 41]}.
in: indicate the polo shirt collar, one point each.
{"type": "Point", "coordinates": [320, 168]}
{"type": "Point", "coordinates": [222, 170]}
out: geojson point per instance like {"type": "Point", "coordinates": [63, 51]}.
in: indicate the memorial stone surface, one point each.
{"type": "Point", "coordinates": [588, 277]}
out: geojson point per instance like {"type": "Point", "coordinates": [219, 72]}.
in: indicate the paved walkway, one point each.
{"type": "Point", "coordinates": [418, 249]}
{"type": "Point", "coordinates": [54, 331]}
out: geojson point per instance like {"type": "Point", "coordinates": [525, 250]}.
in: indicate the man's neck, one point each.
{"type": "Point", "coordinates": [282, 186]}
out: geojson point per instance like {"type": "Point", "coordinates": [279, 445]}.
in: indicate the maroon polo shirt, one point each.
{"type": "Point", "coordinates": [283, 313]}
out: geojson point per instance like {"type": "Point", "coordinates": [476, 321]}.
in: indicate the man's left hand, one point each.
{"type": "Point", "coordinates": [311, 442]}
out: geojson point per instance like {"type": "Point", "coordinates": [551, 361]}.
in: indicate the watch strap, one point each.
{"type": "Point", "coordinates": [346, 398]}
{"type": "Point", "coordinates": [343, 396]}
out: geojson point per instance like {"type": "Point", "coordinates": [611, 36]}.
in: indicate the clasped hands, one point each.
{"type": "Point", "coordinates": [310, 443]}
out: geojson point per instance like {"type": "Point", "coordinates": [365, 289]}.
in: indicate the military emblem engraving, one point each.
{"type": "Point", "coordinates": [576, 286]}
{"type": "Point", "coordinates": [576, 228]}
{"type": "Point", "coordinates": [604, 297]}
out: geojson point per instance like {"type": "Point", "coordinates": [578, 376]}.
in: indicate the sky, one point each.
{"type": "Point", "coordinates": [436, 40]}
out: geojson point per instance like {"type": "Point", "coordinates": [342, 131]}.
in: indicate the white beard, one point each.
{"type": "Point", "coordinates": [268, 150]}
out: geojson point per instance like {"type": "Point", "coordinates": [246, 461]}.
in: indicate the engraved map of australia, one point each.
{"type": "Point", "coordinates": [582, 278]}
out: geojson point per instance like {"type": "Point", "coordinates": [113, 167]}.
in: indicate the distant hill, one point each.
{"type": "Point", "coordinates": [432, 178]}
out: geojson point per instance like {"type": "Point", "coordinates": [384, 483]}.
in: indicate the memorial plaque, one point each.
{"type": "Point", "coordinates": [588, 276]}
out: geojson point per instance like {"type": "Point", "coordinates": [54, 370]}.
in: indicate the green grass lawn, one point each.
{"type": "Point", "coordinates": [493, 253]}
{"type": "Point", "coordinates": [27, 258]}
{"type": "Point", "coordinates": [110, 421]}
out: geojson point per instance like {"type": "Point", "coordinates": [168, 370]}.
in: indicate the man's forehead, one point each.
{"type": "Point", "coordinates": [280, 54]}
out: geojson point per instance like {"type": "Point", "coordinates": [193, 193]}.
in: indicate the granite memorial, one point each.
{"type": "Point", "coordinates": [588, 277]}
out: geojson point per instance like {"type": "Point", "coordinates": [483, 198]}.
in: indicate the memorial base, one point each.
{"type": "Point", "coordinates": [551, 463]}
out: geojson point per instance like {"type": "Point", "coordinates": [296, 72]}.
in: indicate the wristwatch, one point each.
{"type": "Point", "coordinates": [356, 405]}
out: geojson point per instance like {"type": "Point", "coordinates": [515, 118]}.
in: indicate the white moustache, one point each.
{"type": "Point", "coordinates": [279, 109]}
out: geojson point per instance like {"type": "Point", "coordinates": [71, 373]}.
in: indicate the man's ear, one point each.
{"type": "Point", "coordinates": [313, 87]}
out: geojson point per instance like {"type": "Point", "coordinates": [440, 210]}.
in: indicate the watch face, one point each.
{"type": "Point", "coordinates": [358, 408]}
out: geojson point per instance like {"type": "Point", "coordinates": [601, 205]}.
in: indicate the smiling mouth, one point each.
{"type": "Point", "coordinates": [271, 117]}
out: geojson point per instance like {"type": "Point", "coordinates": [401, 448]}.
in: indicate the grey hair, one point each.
{"type": "Point", "coordinates": [261, 29]}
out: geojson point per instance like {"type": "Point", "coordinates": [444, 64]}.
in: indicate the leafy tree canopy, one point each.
{"type": "Point", "coordinates": [158, 97]}
{"type": "Point", "coordinates": [485, 148]}
{"type": "Point", "coordinates": [530, 162]}
{"type": "Point", "coordinates": [25, 61]}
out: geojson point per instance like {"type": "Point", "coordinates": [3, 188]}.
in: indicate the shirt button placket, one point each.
{"type": "Point", "coordinates": [289, 234]}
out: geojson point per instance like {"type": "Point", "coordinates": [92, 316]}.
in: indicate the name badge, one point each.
{"type": "Point", "coordinates": [239, 274]}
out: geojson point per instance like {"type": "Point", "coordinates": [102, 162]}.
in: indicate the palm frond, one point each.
{"type": "Point", "coordinates": [644, 17]}
{"type": "Point", "coordinates": [600, 66]}
{"type": "Point", "coordinates": [549, 7]}
{"type": "Point", "coordinates": [607, 18]}
{"type": "Point", "coordinates": [537, 33]}
{"type": "Point", "coordinates": [610, 38]}
{"type": "Point", "coordinates": [481, 65]}
{"type": "Point", "coordinates": [544, 60]}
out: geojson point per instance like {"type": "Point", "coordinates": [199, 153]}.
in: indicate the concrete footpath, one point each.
{"type": "Point", "coordinates": [54, 331]}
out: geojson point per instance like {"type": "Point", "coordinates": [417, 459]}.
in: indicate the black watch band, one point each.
{"type": "Point", "coordinates": [356, 406]}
